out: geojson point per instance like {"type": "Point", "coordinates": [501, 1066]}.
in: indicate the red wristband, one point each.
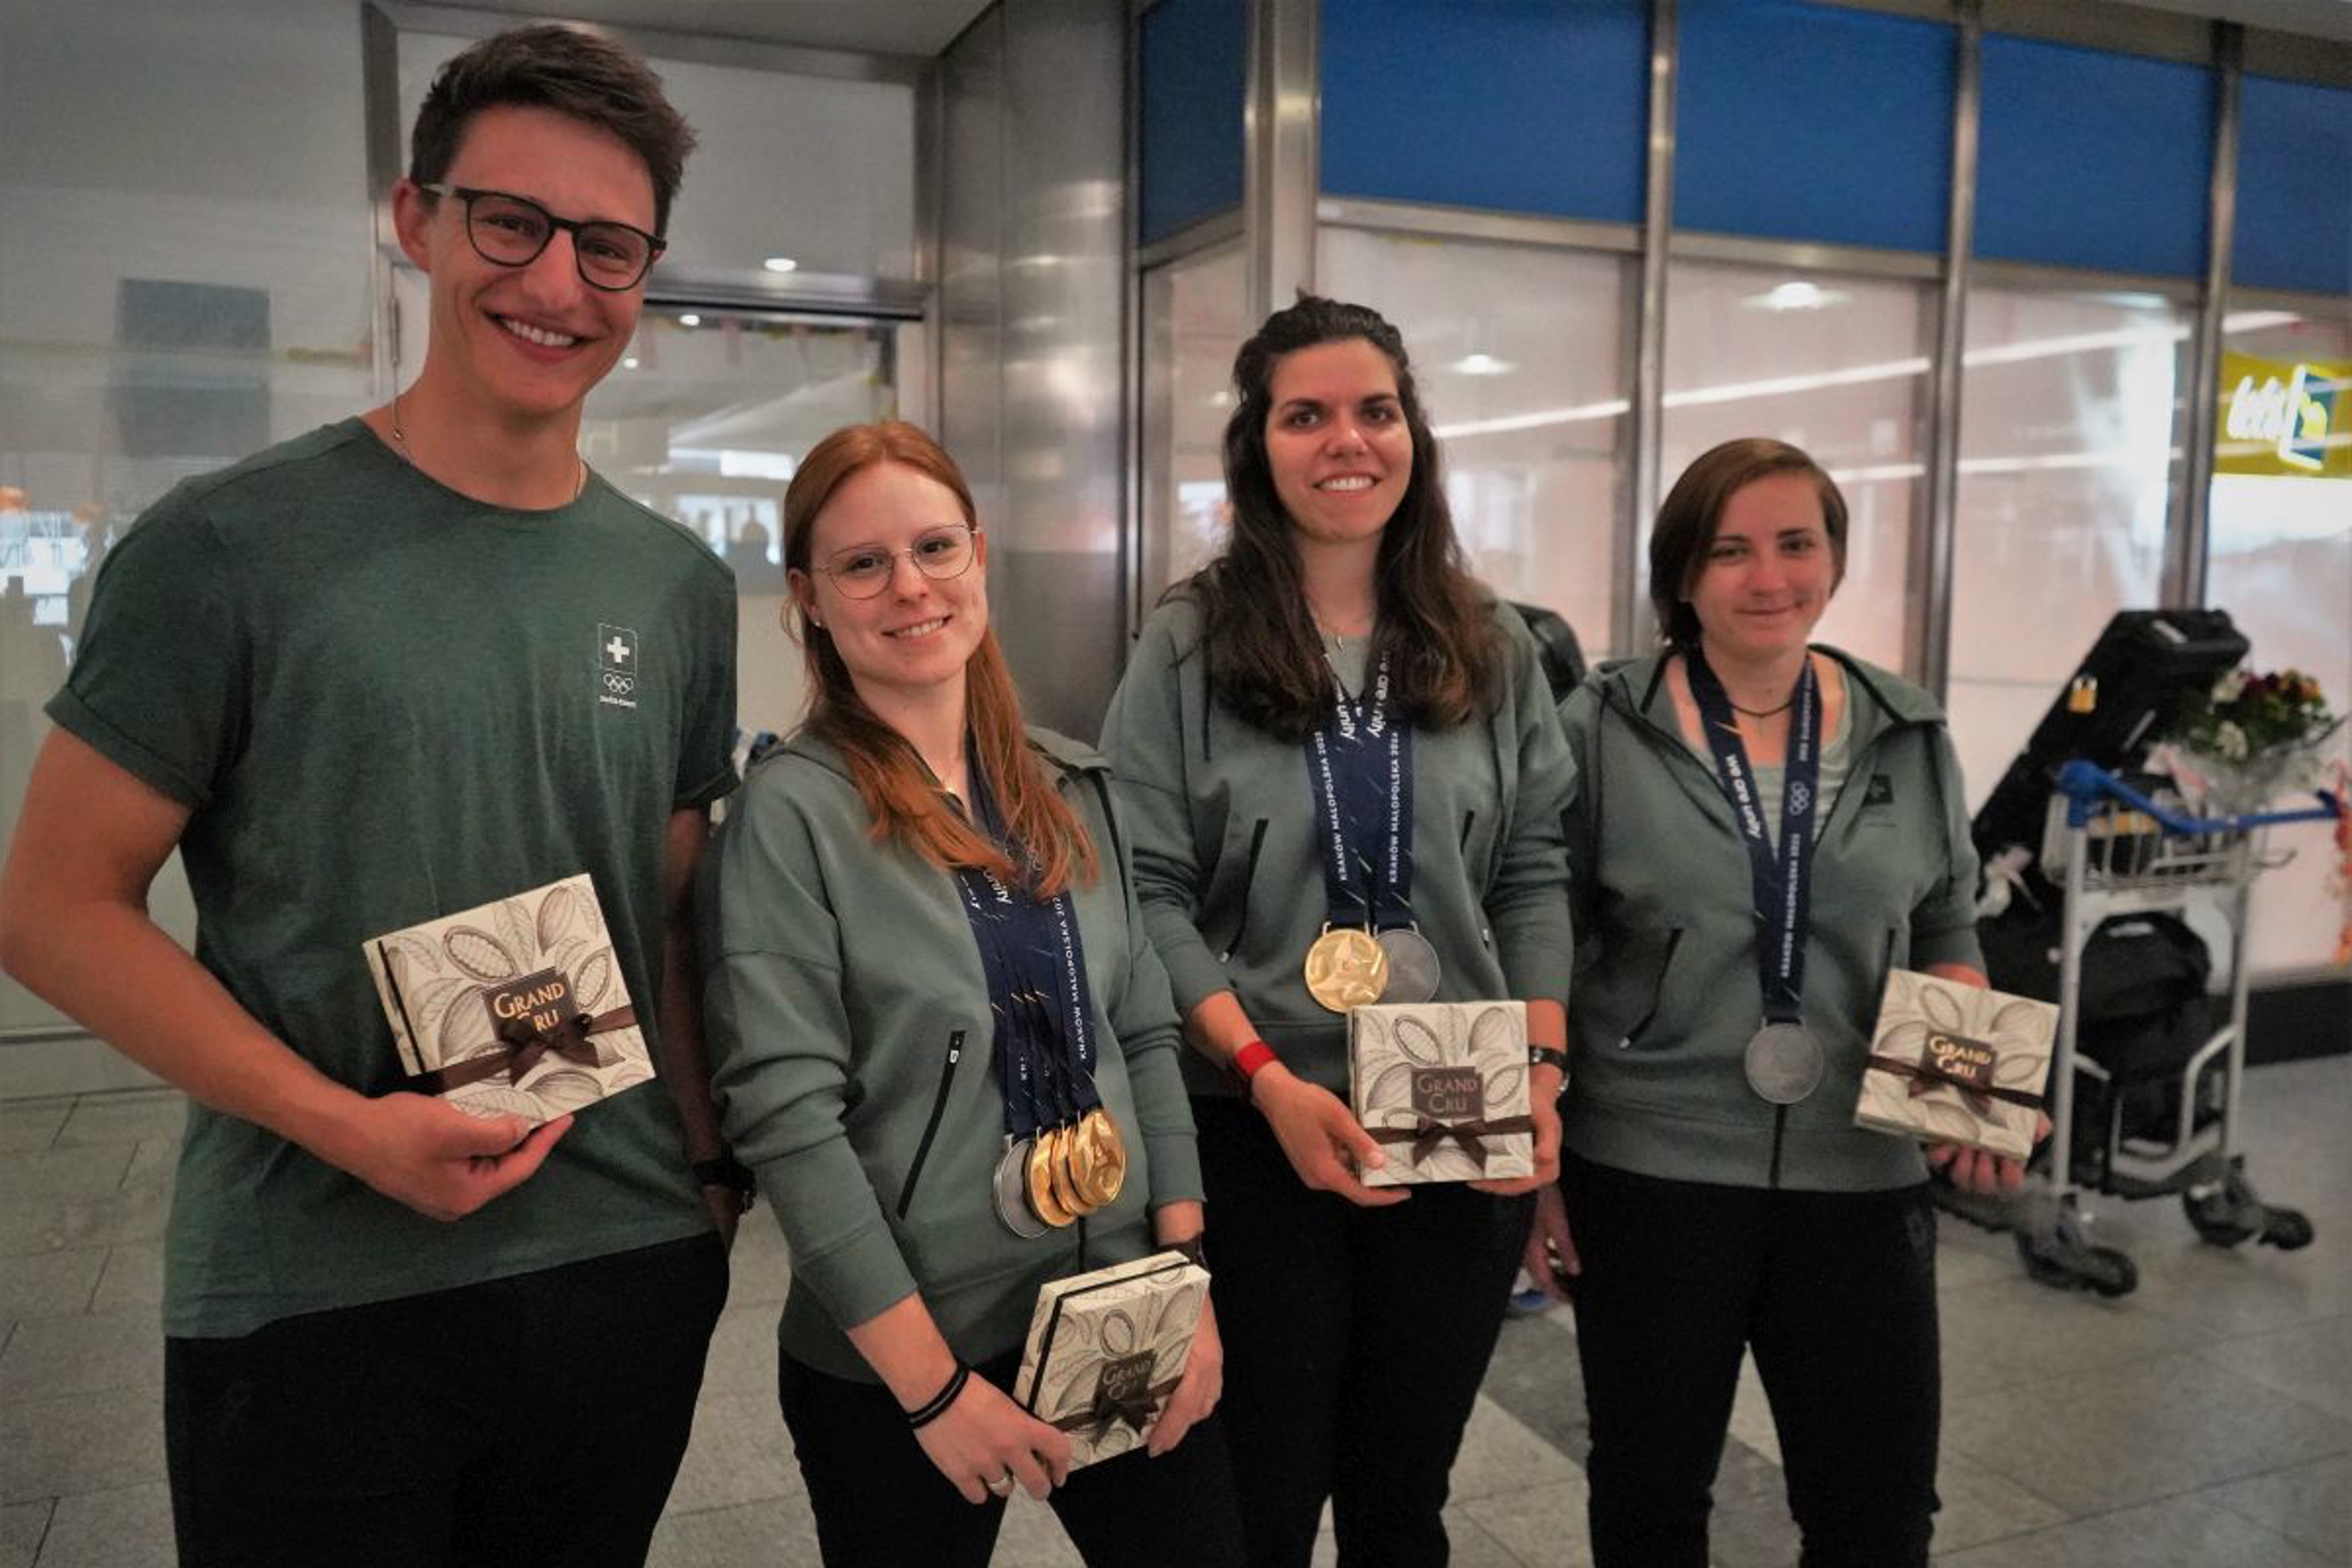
{"type": "Point", "coordinates": [1250, 1060]}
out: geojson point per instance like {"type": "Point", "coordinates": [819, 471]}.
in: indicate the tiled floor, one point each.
{"type": "Point", "coordinates": [2204, 1422]}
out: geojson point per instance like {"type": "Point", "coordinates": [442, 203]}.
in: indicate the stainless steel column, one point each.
{"type": "Point", "coordinates": [2188, 544]}
{"type": "Point", "coordinates": [1280, 174]}
{"type": "Point", "coordinates": [1929, 654]}
{"type": "Point", "coordinates": [1629, 628]}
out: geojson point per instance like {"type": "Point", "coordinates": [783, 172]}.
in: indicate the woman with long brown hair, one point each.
{"type": "Point", "coordinates": [928, 972]}
{"type": "Point", "coordinates": [1338, 634]}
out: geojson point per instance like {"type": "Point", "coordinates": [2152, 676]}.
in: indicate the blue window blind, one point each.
{"type": "Point", "coordinates": [1530, 105]}
{"type": "Point", "coordinates": [2295, 188]}
{"type": "Point", "coordinates": [1805, 121]}
{"type": "Point", "coordinates": [1194, 69]}
{"type": "Point", "coordinates": [2092, 159]}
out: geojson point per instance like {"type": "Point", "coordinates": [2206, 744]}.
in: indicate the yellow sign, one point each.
{"type": "Point", "coordinates": [2290, 419]}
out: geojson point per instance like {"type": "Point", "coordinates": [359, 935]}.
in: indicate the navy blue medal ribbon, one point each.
{"type": "Point", "coordinates": [1018, 1071]}
{"type": "Point", "coordinates": [1782, 884]}
{"type": "Point", "coordinates": [1035, 963]}
{"type": "Point", "coordinates": [1360, 772]}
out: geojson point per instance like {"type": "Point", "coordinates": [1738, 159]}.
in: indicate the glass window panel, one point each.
{"type": "Point", "coordinates": [177, 287]}
{"type": "Point", "coordinates": [1192, 77]}
{"type": "Point", "coordinates": [2280, 560]}
{"type": "Point", "coordinates": [1395, 124]}
{"type": "Point", "coordinates": [1522, 357]}
{"type": "Point", "coordinates": [705, 420]}
{"type": "Point", "coordinates": [1837, 365]}
{"type": "Point", "coordinates": [1193, 323]}
{"type": "Point", "coordinates": [2069, 442]}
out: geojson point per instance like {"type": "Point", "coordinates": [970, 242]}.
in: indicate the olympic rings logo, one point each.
{"type": "Point", "coordinates": [620, 685]}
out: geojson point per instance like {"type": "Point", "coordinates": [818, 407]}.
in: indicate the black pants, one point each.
{"type": "Point", "coordinates": [536, 1419]}
{"type": "Point", "coordinates": [1355, 1341]}
{"type": "Point", "coordinates": [880, 1502]}
{"type": "Point", "coordinates": [1835, 1292]}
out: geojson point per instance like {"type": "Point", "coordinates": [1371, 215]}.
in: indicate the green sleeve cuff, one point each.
{"type": "Point", "coordinates": [858, 1276]}
{"type": "Point", "coordinates": [1958, 945]}
{"type": "Point", "coordinates": [1539, 958]}
{"type": "Point", "coordinates": [1193, 972]}
{"type": "Point", "coordinates": [1175, 1167]}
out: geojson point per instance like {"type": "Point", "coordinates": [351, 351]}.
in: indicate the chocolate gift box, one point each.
{"type": "Point", "coordinates": [1957, 1064]}
{"type": "Point", "coordinates": [1443, 1087]}
{"type": "Point", "coordinates": [1105, 1349]}
{"type": "Point", "coordinates": [516, 1007]}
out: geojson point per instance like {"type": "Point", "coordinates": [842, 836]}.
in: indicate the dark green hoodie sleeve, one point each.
{"type": "Point", "coordinates": [1143, 735]}
{"type": "Point", "coordinates": [1579, 713]}
{"type": "Point", "coordinates": [1144, 1021]}
{"type": "Point", "coordinates": [779, 1038]}
{"type": "Point", "coordinates": [1944, 925]}
{"type": "Point", "coordinates": [1528, 904]}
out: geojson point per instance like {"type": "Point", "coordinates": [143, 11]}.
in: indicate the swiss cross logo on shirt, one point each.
{"type": "Point", "coordinates": [616, 665]}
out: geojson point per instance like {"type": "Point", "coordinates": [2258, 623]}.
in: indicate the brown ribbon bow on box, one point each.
{"type": "Point", "coordinates": [525, 1047]}
{"type": "Point", "coordinates": [1135, 1409]}
{"type": "Point", "coordinates": [1427, 1133]}
{"type": "Point", "coordinates": [1926, 1079]}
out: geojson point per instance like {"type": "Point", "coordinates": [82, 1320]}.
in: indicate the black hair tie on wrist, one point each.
{"type": "Point", "coordinates": [936, 1405]}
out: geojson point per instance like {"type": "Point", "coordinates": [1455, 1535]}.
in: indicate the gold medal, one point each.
{"type": "Point", "coordinates": [1098, 1162]}
{"type": "Point", "coordinates": [1042, 1201]}
{"type": "Point", "coordinates": [1063, 1194]}
{"type": "Point", "coordinates": [1082, 1166]}
{"type": "Point", "coordinates": [1345, 968]}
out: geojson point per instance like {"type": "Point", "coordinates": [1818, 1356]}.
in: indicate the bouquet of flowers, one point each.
{"type": "Point", "coordinates": [2250, 739]}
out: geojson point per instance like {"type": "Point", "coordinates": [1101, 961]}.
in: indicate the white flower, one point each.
{"type": "Point", "coordinates": [2230, 742]}
{"type": "Point", "coordinates": [2226, 689]}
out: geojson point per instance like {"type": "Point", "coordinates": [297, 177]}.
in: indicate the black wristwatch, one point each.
{"type": "Point", "coordinates": [1192, 1249]}
{"type": "Point", "coordinates": [728, 1172]}
{"type": "Point", "coordinates": [1544, 1055]}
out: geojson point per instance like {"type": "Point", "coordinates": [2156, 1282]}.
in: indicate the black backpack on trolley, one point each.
{"type": "Point", "coordinates": [2143, 1010]}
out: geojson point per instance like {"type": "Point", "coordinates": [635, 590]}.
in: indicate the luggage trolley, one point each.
{"type": "Point", "coordinates": [2125, 854]}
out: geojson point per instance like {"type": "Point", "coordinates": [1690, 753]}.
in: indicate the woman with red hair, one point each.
{"type": "Point", "coordinates": [945, 1044]}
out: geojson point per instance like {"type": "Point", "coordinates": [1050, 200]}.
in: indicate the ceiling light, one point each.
{"type": "Point", "coordinates": [780, 264]}
{"type": "Point", "coordinates": [1483, 364]}
{"type": "Point", "coordinates": [1794, 295]}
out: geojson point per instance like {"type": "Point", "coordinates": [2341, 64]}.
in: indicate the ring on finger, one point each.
{"type": "Point", "coordinates": [1002, 1485]}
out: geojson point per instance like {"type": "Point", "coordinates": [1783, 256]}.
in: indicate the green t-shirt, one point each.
{"type": "Point", "coordinates": [384, 701]}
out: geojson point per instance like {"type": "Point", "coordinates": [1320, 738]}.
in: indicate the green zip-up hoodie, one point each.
{"type": "Point", "coordinates": [1228, 863]}
{"type": "Point", "coordinates": [1667, 994]}
{"type": "Point", "coordinates": [850, 1030]}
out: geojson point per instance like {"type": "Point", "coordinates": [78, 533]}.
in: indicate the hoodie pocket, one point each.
{"type": "Point", "coordinates": [1249, 881]}
{"type": "Point", "coordinates": [1666, 950]}
{"type": "Point", "coordinates": [931, 1127]}
{"type": "Point", "coordinates": [1896, 956]}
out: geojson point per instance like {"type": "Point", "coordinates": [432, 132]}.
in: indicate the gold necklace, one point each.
{"type": "Point", "coordinates": [399, 439]}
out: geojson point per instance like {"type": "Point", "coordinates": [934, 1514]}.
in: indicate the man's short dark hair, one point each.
{"type": "Point", "coordinates": [573, 70]}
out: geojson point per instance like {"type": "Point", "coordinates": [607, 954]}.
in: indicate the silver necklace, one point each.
{"type": "Point", "coordinates": [399, 439]}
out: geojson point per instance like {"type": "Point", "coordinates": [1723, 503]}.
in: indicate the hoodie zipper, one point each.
{"type": "Point", "coordinates": [931, 1127]}
{"type": "Point", "coordinates": [1658, 989]}
{"type": "Point", "coordinates": [1249, 880]}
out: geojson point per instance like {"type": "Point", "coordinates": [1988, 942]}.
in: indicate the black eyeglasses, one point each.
{"type": "Point", "coordinates": [511, 230]}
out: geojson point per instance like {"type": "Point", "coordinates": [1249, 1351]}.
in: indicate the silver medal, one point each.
{"type": "Point", "coordinates": [1012, 1191]}
{"type": "Point", "coordinates": [1414, 969]}
{"type": "Point", "coordinates": [1784, 1063]}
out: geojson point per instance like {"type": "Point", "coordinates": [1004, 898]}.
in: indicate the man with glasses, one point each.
{"type": "Point", "coordinates": [407, 665]}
